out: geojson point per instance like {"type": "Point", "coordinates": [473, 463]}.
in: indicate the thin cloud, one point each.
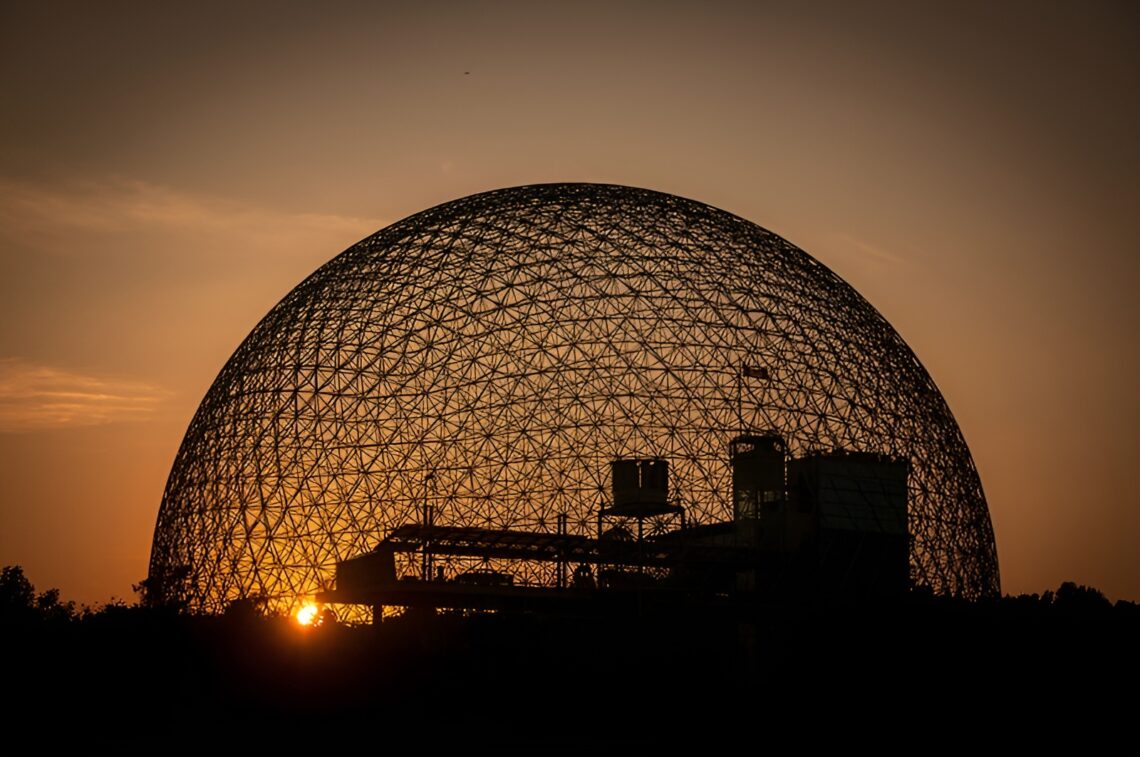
{"type": "Point", "coordinates": [118, 206]}
{"type": "Point", "coordinates": [870, 251]}
{"type": "Point", "coordinates": [35, 397]}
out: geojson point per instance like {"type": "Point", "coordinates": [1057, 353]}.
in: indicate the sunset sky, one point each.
{"type": "Point", "coordinates": [167, 175]}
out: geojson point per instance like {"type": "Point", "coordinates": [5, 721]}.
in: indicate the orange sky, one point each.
{"type": "Point", "coordinates": [167, 175]}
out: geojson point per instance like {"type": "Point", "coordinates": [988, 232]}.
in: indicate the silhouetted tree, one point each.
{"type": "Point", "coordinates": [1071, 597]}
{"type": "Point", "coordinates": [19, 603]}
{"type": "Point", "coordinates": [17, 595]}
{"type": "Point", "coordinates": [1125, 609]}
{"type": "Point", "coordinates": [165, 591]}
{"type": "Point", "coordinates": [51, 609]}
{"type": "Point", "coordinates": [245, 611]}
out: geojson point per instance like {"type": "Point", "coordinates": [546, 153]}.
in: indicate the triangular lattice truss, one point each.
{"type": "Point", "coordinates": [491, 355]}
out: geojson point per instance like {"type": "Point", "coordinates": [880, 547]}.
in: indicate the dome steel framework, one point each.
{"type": "Point", "coordinates": [491, 355]}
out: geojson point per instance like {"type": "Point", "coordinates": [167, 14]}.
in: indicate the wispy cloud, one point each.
{"type": "Point", "coordinates": [116, 206]}
{"type": "Point", "coordinates": [36, 397]}
{"type": "Point", "coordinates": [868, 251]}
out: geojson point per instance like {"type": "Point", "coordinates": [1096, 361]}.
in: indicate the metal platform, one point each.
{"type": "Point", "coordinates": [622, 568]}
{"type": "Point", "coordinates": [653, 551]}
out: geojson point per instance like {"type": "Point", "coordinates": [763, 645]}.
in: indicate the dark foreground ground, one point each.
{"type": "Point", "coordinates": [1012, 672]}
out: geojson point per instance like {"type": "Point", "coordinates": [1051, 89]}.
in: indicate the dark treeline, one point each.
{"type": "Point", "coordinates": [127, 674]}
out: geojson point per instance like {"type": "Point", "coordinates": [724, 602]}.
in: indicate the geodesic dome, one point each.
{"type": "Point", "coordinates": [490, 356]}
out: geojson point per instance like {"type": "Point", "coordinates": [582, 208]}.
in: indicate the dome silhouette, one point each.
{"type": "Point", "coordinates": [491, 355]}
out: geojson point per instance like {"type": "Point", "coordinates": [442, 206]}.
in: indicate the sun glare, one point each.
{"type": "Point", "coordinates": [307, 614]}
